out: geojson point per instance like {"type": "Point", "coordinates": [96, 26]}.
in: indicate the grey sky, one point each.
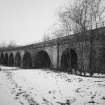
{"type": "Point", "coordinates": [25, 21]}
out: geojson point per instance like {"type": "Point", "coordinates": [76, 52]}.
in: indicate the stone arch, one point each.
{"type": "Point", "coordinates": [18, 59]}
{"type": "Point", "coordinates": [6, 59]}
{"type": "Point", "coordinates": [2, 58]}
{"type": "Point", "coordinates": [69, 60]}
{"type": "Point", "coordinates": [27, 60]}
{"type": "Point", "coordinates": [11, 59]}
{"type": "Point", "coordinates": [42, 60]}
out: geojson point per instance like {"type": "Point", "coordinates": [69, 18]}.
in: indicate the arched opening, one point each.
{"type": "Point", "coordinates": [27, 60]}
{"type": "Point", "coordinates": [11, 60]}
{"type": "Point", "coordinates": [69, 60]}
{"type": "Point", "coordinates": [42, 60]}
{"type": "Point", "coordinates": [6, 59]}
{"type": "Point", "coordinates": [2, 59]}
{"type": "Point", "coordinates": [18, 59]}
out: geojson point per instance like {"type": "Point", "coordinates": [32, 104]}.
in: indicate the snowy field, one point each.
{"type": "Point", "coordinates": [44, 87]}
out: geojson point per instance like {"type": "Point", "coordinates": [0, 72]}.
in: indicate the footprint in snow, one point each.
{"type": "Point", "coordinates": [68, 80]}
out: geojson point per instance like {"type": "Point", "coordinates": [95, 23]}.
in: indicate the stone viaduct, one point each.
{"type": "Point", "coordinates": [84, 51]}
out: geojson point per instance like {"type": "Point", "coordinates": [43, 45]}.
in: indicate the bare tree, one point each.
{"type": "Point", "coordinates": [2, 45]}
{"type": "Point", "coordinates": [46, 38]}
{"type": "Point", "coordinates": [11, 44]}
{"type": "Point", "coordinates": [82, 13]}
{"type": "Point", "coordinates": [58, 33]}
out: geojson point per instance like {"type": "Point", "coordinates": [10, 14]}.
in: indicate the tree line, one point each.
{"type": "Point", "coordinates": [78, 16]}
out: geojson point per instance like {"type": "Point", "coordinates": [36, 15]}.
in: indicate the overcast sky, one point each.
{"type": "Point", "coordinates": [26, 21]}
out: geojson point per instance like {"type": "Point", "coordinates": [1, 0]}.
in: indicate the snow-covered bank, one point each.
{"type": "Point", "coordinates": [38, 87]}
{"type": "Point", "coordinates": [8, 68]}
{"type": "Point", "coordinates": [6, 97]}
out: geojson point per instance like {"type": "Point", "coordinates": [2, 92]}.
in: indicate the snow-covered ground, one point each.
{"type": "Point", "coordinates": [44, 87]}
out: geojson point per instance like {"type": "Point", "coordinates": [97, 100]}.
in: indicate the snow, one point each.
{"type": "Point", "coordinates": [5, 97]}
{"type": "Point", "coordinates": [45, 87]}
